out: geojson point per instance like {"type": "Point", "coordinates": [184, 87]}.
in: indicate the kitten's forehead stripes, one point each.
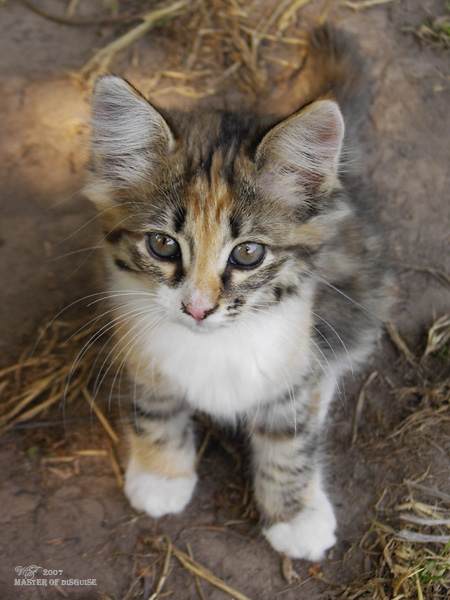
{"type": "Point", "coordinates": [220, 132]}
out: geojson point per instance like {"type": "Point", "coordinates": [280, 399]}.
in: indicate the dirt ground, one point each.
{"type": "Point", "coordinates": [61, 506]}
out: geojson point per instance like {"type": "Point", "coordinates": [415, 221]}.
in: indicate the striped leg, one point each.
{"type": "Point", "coordinates": [160, 476]}
{"type": "Point", "coordinates": [287, 474]}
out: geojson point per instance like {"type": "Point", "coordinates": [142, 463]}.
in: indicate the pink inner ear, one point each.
{"type": "Point", "coordinates": [130, 136]}
{"type": "Point", "coordinates": [322, 126]}
{"type": "Point", "coordinates": [301, 154]}
{"type": "Point", "coordinates": [330, 138]}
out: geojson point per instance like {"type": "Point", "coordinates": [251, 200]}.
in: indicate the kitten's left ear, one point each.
{"type": "Point", "coordinates": [130, 137]}
{"type": "Point", "coordinates": [299, 158]}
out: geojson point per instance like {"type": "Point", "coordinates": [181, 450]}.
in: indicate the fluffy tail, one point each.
{"type": "Point", "coordinates": [334, 67]}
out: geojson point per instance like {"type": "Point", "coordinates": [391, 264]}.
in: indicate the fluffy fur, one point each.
{"type": "Point", "coordinates": [264, 343]}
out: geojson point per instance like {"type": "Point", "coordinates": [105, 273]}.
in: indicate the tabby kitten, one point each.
{"type": "Point", "coordinates": [245, 281]}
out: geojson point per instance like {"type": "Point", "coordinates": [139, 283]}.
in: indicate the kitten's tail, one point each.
{"type": "Point", "coordinates": [334, 67]}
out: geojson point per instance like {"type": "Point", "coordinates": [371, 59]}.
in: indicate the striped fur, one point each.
{"type": "Point", "coordinates": [263, 344]}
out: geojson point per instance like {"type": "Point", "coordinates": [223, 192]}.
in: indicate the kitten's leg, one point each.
{"type": "Point", "coordinates": [288, 482]}
{"type": "Point", "coordinates": [160, 476]}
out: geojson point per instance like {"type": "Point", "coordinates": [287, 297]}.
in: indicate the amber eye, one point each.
{"type": "Point", "coordinates": [248, 255]}
{"type": "Point", "coordinates": [163, 246]}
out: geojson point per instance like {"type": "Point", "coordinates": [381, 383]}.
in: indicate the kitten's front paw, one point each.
{"type": "Point", "coordinates": [157, 495]}
{"type": "Point", "coordinates": [308, 534]}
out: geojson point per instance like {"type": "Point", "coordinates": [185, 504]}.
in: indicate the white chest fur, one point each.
{"type": "Point", "coordinates": [229, 370]}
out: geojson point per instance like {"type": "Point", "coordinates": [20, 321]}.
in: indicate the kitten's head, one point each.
{"type": "Point", "coordinates": [212, 214]}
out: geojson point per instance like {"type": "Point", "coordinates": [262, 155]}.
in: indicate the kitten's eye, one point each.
{"type": "Point", "coordinates": [163, 246]}
{"type": "Point", "coordinates": [248, 255]}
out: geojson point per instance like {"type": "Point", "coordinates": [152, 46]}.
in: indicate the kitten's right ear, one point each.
{"type": "Point", "coordinates": [130, 137]}
{"type": "Point", "coordinates": [299, 158]}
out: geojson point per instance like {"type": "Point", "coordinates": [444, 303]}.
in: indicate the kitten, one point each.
{"type": "Point", "coordinates": [245, 280]}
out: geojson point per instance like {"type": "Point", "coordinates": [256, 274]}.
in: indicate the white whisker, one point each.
{"type": "Point", "coordinates": [139, 316]}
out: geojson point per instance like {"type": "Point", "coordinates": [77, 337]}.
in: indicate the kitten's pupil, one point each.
{"type": "Point", "coordinates": [248, 254]}
{"type": "Point", "coordinates": [163, 246]}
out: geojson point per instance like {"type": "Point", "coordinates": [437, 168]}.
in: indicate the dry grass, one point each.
{"type": "Point", "coordinates": [164, 544]}
{"type": "Point", "coordinates": [410, 561]}
{"type": "Point", "coordinates": [103, 59]}
{"type": "Point", "coordinates": [228, 40]}
{"type": "Point", "coordinates": [55, 371]}
{"type": "Point", "coordinates": [409, 542]}
{"type": "Point", "coordinates": [163, 548]}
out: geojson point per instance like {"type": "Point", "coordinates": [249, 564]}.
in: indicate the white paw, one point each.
{"type": "Point", "coordinates": [157, 495]}
{"type": "Point", "coordinates": [308, 534]}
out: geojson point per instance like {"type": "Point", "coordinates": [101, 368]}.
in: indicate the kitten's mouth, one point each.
{"type": "Point", "coordinates": [202, 326]}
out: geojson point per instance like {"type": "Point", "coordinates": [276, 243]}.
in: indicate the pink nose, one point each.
{"type": "Point", "coordinates": [198, 312]}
